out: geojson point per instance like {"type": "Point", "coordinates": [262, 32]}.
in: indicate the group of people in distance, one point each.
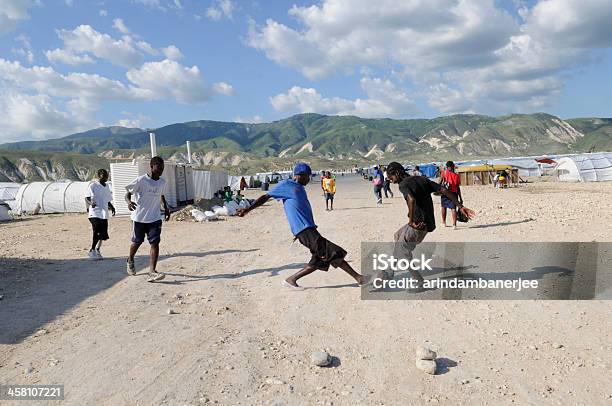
{"type": "Point", "coordinates": [144, 197]}
{"type": "Point", "coordinates": [417, 191]}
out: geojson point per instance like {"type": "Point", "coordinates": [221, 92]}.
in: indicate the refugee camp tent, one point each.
{"type": "Point", "coordinates": [207, 183]}
{"type": "Point", "coordinates": [234, 181]}
{"type": "Point", "coordinates": [51, 197]}
{"type": "Point", "coordinates": [4, 211]}
{"type": "Point", "coordinates": [9, 190]}
{"type": "Point", "coordinates": [484, 174]}
{"type": "Point", "coordinates": [595, 167]}
{"type": "Point", "coordinates": [428, 170]}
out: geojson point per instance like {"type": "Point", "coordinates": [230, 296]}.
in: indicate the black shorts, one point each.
{"type": "Point", "coordinates": [100, 228]}
{"type": "Point", "coordinates": [324, 252]}
{"type": "Point", "coordinates": [329, 196]}
{"type": "Point", "coordinates": [151, 230]}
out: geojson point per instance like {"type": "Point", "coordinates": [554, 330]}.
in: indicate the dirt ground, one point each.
{"type": "Point", "coordinates": [239, 338]}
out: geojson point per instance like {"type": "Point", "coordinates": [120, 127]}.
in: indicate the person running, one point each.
{"type": "Point", "coordinates": [299, 215]}
{"type": "Point", "coordinates": [98, 201]}
{"type": "Point", "coordinates": [417, 192]}
{"type": "Point", "coordinates": [387, 185]}
{"type": "Point", "coordinates": [146, 215]}
{"type": "Point", "coordinates": [329, 188]}
{"type": "Point", "coordinates": [451, 181]}
{"type": "Point", "coordinates": [378, 181]}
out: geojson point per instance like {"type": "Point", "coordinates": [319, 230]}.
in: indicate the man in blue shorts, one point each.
{"type": "Point", "coordinates": [299, 214]}
{"type": "Point", "coordinates": [146, 215]}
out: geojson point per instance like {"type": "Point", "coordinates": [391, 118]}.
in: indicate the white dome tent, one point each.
{"type": "Point", "coordinates": [51, 197]}
{"type": "Point", "coordinates": [8, 190]}
{"type": "Point", "coordinates": [4, 211]}
{"type": "Point", "coordinates": [595, 167]}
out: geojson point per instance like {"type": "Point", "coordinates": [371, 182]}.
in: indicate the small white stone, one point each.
{"type": "Point", "coordinates": [425, 353]}
{"type": "Point", "coordinates": [320, 358]}
{"type": "Point", "coordinates": [426, 365]}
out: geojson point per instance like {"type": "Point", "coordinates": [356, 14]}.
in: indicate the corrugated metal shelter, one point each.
{"type": "Point", "coordinates": [50, 197]}
{"type": "Point", "coordinates": [207, 183]}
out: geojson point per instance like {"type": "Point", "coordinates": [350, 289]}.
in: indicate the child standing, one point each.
{"type": "Point", "coordinates": [329, 189]}
{"type": "Point", "coordinates": [98, 200]}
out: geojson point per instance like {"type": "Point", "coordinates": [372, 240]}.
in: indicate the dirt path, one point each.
{"type": "Point", "coordinates": [239, 338]}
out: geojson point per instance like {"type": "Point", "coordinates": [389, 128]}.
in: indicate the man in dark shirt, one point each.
{"type": "Point", "coordinates": [417, 191]}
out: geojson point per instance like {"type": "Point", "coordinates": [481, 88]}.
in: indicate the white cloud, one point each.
{"type": "Point", "coordinates": [26, 48]}
{"type": "Point", "coordinates": [250, 120]}
{"type": "Point", "coordinates": [63, 56]}
{"type": "Point", "coordinates": [34, 116]}
{"type": "Point", "coordinates": [120, 26]}
{"type": "Point", "coordinates": [419, 35]}
{"type": "Point", "coordinates": [31, 99]}
{"type": "Point", "coordinates": [168, 78]}
{"type": "Point", "coordinates": [223, 88]}
{"type": "Point", "coordinates": [172, 52]}
{"type": "Point", "coordinates": [460, 55]}
{"type": "Point", "coordinates": [85, 41]}
{"type": "Point", "coordinates": [132, 121]}
{"type": "Point", "coordinates": [13, 11]}
{"type": "Point", "coordinates": [384, 100]}
{"type": "Point", "coordinates": [220, 9]}
{"type": "Point", "coordinates": [47, 81]}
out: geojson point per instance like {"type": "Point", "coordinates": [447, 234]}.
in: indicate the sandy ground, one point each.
{"type": "Point", "coordinates": [239, 338]}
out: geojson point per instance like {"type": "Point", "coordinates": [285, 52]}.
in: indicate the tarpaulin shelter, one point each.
{"type": "Point", "coordinates": [595, 167]}
{"type": "Point", "coordinates": [484, 174]}
{"type": "Point", "coordinates": [50, 197]}
{"type": "Point", "coordinates": [4, 211]}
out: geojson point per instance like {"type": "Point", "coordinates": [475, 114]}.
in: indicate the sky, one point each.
{"type": "Point", "coordinates": [72, 65]}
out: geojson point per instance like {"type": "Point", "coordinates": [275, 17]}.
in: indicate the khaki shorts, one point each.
{"type": "Point", "coordinates": [406, 240]}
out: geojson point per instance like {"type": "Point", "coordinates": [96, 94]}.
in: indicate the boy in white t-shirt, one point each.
{"type": "Point", "coordinates": [98, 199]}
{"type": "Point", "coordinates": [146, 215]}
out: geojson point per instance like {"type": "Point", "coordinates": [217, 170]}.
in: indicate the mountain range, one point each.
{"type": "Point", "coordinates": [330, 141]}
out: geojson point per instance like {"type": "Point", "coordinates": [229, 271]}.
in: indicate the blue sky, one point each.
{"type": "Point", "coordinates": [72, 65]}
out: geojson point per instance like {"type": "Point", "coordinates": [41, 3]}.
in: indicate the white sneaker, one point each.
{"type": "Point", "coordinates": [92, 255]}
{"type": "Point", "coordinates": [99, 254]}
{"type": "Point", "coordinates": [130, 268]}
{"type": "Point", "coordinates": [155, 276]}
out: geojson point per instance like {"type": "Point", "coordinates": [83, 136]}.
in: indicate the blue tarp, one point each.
{"type": "Point", "coordinates": [428, 170]}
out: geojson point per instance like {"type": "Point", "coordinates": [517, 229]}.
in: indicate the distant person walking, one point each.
{"type": "Point", "coordinates": [378, 181]}
{"type": "Point", "coordinates": [417, 192]}
{"type": "Point", "coordinates": [98, 201]}
{"type": "Point", "coordinates": [387, 185]}
{"type": "Point", "coordinates": [299, 214]}
{"type": "Point", "coordinates": [450, 181]}
{"type": "Point", "coordinates": [329, 189]}
{"type": "Point", "coordinates": [146, 215]}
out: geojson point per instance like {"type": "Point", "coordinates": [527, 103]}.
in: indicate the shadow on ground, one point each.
{"type": "Point", "coordinates": [34, 292]}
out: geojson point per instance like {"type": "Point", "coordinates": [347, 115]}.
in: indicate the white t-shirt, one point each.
{"type": "Point", "coordinates": [147, 196]}
{"type": "Point", "coordinates": [101, 196]}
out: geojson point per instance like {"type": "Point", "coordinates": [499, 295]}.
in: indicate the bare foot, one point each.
{"type": "Point", "coordinates": [291, 285]}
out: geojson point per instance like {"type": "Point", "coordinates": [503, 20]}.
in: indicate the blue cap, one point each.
{"type": "Point", "coordinates": [302, 169]}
